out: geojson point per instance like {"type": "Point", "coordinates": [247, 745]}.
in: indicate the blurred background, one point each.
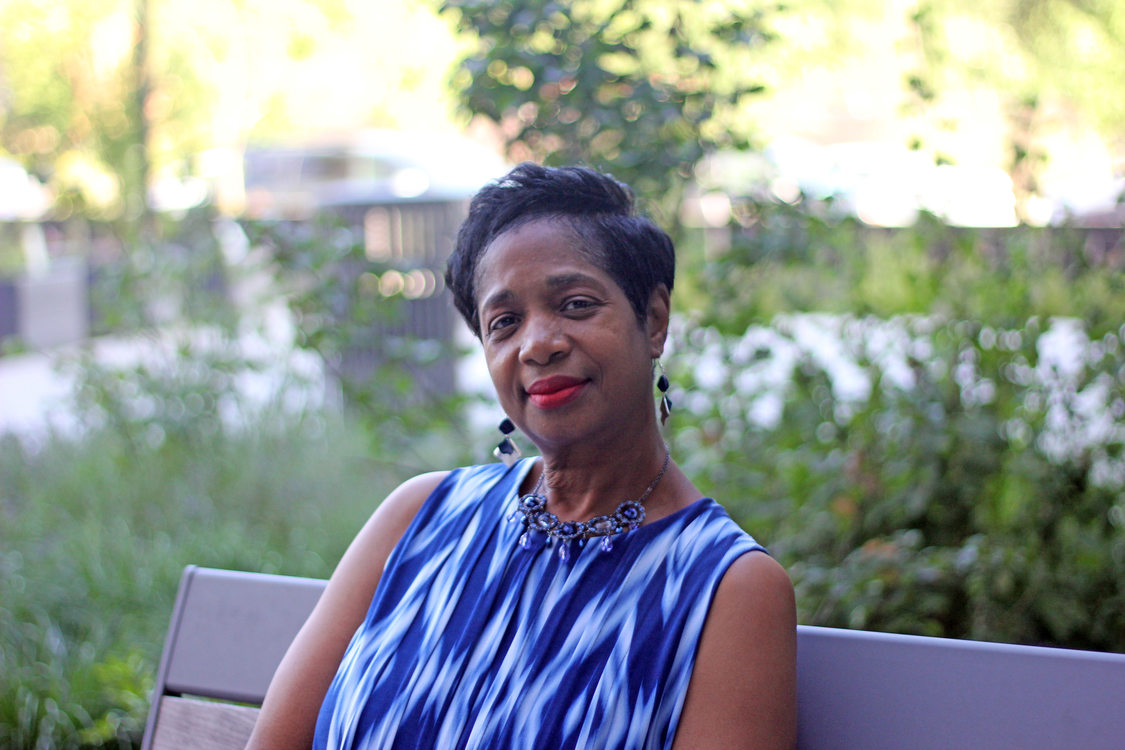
{"type": "Point", "coordinates": [898, 355]}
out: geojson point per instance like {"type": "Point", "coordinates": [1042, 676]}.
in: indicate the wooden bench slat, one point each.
{"type": "Point", "coordinates": [190, 724]}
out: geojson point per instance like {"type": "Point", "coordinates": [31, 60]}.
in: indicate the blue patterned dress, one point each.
{"type": "Point", "coordinates": [474, 642]}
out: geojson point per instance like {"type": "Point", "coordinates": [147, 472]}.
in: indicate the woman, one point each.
{"type": "Point", "coordinates": [591, 598]}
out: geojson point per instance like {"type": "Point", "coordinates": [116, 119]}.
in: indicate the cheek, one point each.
{"type": "Point", "coordinates": [494, 375]}
{"type": "Point", "coordinates": [498, 369]}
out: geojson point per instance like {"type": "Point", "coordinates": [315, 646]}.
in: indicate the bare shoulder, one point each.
{"type": "Point", "coordinates": [744, 684]}
{"type": "Point", "coordinates": [374, 542]}
{"type": "Point", "coordinates": [757, 582]}
{"type": "Point", "coordinates": [753, 614]}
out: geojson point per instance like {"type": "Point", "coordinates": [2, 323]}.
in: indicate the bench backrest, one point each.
{"type": "Point", "coordinates": [857, 690]}
{"type": "Point", "coordinates": [228, 633]}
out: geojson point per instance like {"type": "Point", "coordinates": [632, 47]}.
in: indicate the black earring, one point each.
{"type": "Point", "coordinates": [662, 385]}
{"type": "Point", "coordinates": [507, 451]}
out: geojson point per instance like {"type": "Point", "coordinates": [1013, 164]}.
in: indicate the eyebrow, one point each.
{"type": "Point", "coordinates": [503, 297]}
{"type": "Point", "coordinates": [557, 281]}
{"type": "Point", "coordinates": [570, 279]}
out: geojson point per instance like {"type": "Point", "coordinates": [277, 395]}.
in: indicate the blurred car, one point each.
{"type": "Point", "coordinates": [371, 167]}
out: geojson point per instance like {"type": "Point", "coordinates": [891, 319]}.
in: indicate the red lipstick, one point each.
{"type": "Point", "coordinates": [555, 391]}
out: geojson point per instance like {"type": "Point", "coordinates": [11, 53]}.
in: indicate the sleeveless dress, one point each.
{"type": "Point", "coordinates": [472, 641]}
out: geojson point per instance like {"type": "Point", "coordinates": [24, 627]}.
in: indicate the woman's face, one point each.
{"type": "Point", "coordinates": [568, 357]}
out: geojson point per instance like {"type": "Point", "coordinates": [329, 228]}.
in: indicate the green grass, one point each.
{"type": "Point", "coordinates": [95, 533]}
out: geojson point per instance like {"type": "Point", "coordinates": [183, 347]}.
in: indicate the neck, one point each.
{"type": "Point", "coordinates": [579, 487]}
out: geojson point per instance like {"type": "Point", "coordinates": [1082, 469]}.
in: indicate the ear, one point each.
{"type": "Point", "coordinates": [656, 318]}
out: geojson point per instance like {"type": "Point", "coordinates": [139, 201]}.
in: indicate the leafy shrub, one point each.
{"type": "Point", "coordinates": [964, 481]}
{"type": "Point", "coordinates": [387, 374]}
{"type": "Point", "coordinates": [939, 449]}
{"type": "Point", "coordinates": [783, 258]}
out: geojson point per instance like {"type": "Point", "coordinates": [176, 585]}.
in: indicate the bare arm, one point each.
{"type": "Point", "coordinates": [288, 717]}
{"type": "Point", "coordinates": [743, 690]}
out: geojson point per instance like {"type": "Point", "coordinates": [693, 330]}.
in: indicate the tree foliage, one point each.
{"type": "Point", "coordinates": [785, 258]}
{"type": "Point", "coordinates": [641, 89]}
{"type": "Point", "coordinates": [83, 109]}
{"type": "Point", "coordinates": [66, 110]}
{"type": "Point", "coordinates": [1054, 64]}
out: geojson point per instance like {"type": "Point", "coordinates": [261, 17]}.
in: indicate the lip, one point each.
{"type": "Point", "coordinates": [555, 391]}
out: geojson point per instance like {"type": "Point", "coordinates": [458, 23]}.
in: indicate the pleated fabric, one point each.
{"type": "Point", "coordinates": [472, 641]}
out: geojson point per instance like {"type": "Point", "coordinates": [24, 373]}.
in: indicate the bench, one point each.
{"type": "Point", "coordinates": [857, 690]}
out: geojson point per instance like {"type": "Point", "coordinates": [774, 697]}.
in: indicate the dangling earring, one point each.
{"type": "Point", "coordinates": [507, 451]}
{"type": "Point", "coordinates": [665, 402]}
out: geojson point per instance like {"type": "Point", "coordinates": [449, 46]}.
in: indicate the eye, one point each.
{"type": "Point", "coordinates": [578, 304]}
{"type": "Point", "coordinates": [500, 322]}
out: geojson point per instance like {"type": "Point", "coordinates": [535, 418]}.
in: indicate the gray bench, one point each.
{"type": "Point", "coordinates": [857, 690]}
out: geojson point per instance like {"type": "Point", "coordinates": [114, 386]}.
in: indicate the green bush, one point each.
{"type": "Point", "coordinates": [982, 498]}
{"type": "Point", "coordinates": [784, 258]}
{"type": "Point", "coordinates": [975, 488]}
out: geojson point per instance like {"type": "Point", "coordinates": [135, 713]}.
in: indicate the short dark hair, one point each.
{"type": "Point", "coordinates": [632, 249]}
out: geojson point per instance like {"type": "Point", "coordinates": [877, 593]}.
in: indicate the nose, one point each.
{"type": "Point", "coordinates": [544, 340]}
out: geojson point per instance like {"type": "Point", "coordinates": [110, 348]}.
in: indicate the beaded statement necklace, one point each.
{"type": "Point", "coordinates": [531, 510]}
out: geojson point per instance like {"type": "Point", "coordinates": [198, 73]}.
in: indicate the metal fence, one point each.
{"type": "Point", "coordinates": [415, 238]}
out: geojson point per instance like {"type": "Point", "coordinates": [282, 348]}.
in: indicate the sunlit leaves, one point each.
{"type": "Point", "coordinates": [642, 89]}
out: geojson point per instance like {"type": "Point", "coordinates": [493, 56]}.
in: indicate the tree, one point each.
{"type": "Point", "coordinates": [87, 85]}
{"type": "Point", "coordinates": [64, 112]}
{"type": "Point", "coordinates": [642, 89]}
{"type": "Point", "coordinates": [1055, 65]}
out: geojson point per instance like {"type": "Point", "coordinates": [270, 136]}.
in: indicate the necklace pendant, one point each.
{"type": "Point", "coordinates": [536, 518]}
